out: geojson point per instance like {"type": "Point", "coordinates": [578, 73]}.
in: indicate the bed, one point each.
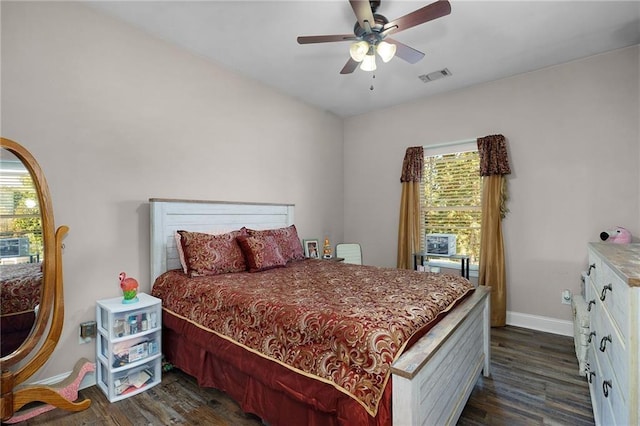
{"type": "Point", "coordinates": [20, 287]}
{"type": "Point", "coordinates": [222, 329]}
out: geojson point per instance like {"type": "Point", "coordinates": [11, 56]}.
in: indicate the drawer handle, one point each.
{"type": "Point", "coordinates": [591, 302]}
{"type": "Point", "coordinates": [603, 342]}
{"type": "Point", "coordinates": [606, 385]}
{"type": "Point", "coordinates": [603, 295]}
{"type": "Point", "coordinates": [591, 336]}
{"type": "Point", "coordinates": [590, 376]}
{"type": "Point", "coordinates": [592, 266]}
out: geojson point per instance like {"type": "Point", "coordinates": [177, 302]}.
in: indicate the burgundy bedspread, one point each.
{"type": "Point", "coordinates": [20, 287]}
{"type": "Point", "coordinates": [341, 324]}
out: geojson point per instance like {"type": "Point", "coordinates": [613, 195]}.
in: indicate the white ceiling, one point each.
{"type": "Point", "coordinates": [479, 41]}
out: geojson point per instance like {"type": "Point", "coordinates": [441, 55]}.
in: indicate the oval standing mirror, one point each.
{"type": "Point", "coordinates": [31, 279]}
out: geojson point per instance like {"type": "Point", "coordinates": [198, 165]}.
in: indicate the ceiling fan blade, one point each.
{"type": "Point", "coordinates": [325, 38]}
{"type": "Point", "coordinates": [363, 12]}
{"type": "Point", "coordinates": [405, 52]}
{"type": "Point", "coordinates": [428, 13]}
{"type": "Point", "coordinates": [349, 67]}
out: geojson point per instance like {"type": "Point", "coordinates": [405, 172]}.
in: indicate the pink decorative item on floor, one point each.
{"type": "Point", "coordinates": [129, 288]}
{"type": "Point", "coordinates": [617, 235]}
{"type": "Point", "coordinates": [68, 389]}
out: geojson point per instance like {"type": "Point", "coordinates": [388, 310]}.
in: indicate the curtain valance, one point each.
{"type": "Point", "coordinates": [493, 156]}
{"type": "Point", "coordinates": [413, 164]}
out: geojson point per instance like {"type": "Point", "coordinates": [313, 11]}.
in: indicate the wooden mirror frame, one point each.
{"type": "Point", "coordinates": [37, 348]}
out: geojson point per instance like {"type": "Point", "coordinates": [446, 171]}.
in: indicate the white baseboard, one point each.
{"type": "Point", "coordinates": [88, 380]}
{"type": "Point", "coordinates": [536, 322]}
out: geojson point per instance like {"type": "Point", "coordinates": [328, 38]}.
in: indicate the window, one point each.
{"type": "Point", "coordinates": [20, 221]}
{"type": "Point", "coordinates": [452, 190]}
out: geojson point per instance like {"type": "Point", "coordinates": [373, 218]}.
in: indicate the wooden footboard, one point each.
{"type": "Point", "coordinates": [432, 381]}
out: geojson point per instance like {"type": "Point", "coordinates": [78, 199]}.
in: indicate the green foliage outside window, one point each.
{"type": "Point", "coordinates": [29, 224]}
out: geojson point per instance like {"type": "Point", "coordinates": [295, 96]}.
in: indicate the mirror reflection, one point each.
{"type": "Point", "coordinates": [21, 252]}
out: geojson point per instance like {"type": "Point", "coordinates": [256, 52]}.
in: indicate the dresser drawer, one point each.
{"type": "Point", "coordinates": [593, 304]}
{"type": "Point", "coordinates": [595, 266]}
{"type": "Point", "coordinates": [608, 406]}
{"type": "Point", "coordinates": [611, 352]}
{"type": "Point", "coordinates": [615, 293]}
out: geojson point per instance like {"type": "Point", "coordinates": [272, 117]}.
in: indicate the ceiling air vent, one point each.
{"type": "Point", "coordinates": [434, 75]}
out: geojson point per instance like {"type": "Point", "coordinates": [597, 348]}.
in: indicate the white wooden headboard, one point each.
{"type": "Point", "coordinates": [169, 216]}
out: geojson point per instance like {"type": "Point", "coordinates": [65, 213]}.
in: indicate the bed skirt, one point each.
{"type": "Point", "coordinates": [263, 387]}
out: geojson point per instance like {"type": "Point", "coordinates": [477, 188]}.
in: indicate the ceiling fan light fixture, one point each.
{"type": "Point", "coordinates": [358, 50]}
{"type": "Point", "coordinates": [386, 50]}
{"type": "Point", "coordinates": [368, 63]}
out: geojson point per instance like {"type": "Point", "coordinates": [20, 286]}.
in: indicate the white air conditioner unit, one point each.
{"type": "Point", "coordinates": [441, 244]}
{"type": "Point", "coordinates": [14, 247]}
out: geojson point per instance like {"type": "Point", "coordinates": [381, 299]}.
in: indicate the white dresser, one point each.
{"type": "Point", "coordinates": [613, 299]}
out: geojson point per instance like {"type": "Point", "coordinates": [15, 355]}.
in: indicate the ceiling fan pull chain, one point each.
{"type": "Point", "coordinates": [374, 77]}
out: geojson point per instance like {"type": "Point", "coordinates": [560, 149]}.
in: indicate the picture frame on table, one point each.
{"type": "Point", "coordinates": [311, 248]}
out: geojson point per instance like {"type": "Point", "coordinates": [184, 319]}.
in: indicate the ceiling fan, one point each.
{"type": "Point", "coordinates": [371, 31]}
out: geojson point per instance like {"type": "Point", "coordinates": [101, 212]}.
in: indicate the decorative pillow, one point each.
{"type": "Point", "coordinates": [287, 240]}
{"type": "Point", "coordinates": [261, 252]}
{"type": "Point", "coordinates": [207, 254]}
{"type": "Point", "coordinates": [178, 239]}
{"type": "Point", "coordinates": [183, 261]}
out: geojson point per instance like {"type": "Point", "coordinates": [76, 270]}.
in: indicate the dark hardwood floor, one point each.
{"type": "Point", "coordinates": [534, 380]}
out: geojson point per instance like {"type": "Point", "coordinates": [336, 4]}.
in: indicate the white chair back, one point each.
{"type": "Point", "coordinates": [351, 252]}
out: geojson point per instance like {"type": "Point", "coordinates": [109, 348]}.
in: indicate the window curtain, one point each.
{"type": "Point", "coordinates": [494, 165]}
{"type": "Point", "coordinates": [410, 209]}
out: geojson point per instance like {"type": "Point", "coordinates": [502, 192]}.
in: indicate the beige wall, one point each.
{"type": "Point", "coordinates": [115, 117]}
{"type": "Point", "coordinates": [574, 145]}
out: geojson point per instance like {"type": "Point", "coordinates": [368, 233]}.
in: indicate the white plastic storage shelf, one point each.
{"type": "Point", "coordinates": [128, 346]}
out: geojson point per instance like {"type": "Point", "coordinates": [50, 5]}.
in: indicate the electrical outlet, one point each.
{"type": "Point", "coordinates": [87, 332]}
{"type": "Point", "coordinates": [566, 297]}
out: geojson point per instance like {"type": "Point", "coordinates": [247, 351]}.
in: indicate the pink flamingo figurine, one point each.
{"type": "Point", "coordinates": [129, 288]}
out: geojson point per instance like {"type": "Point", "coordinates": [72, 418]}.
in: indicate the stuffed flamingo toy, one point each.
{"type": "Point", "coordinates": [617, 235]}
{"type": "Point", "coordinates": [129, 288]}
